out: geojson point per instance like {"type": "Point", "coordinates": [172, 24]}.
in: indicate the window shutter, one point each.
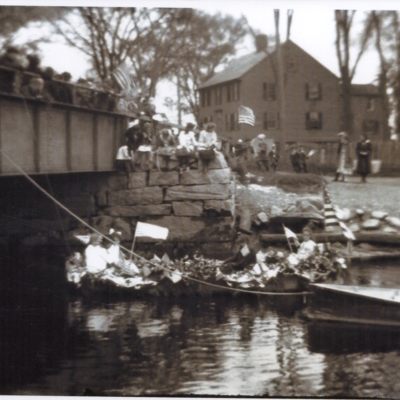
{"type": "Point", "coordinates": [278, 121]}
{"type": "Point", "coordinates": [265, 120]}
{"type": "Point", "coordinates": [307, 120]}
{"type": "Point", "coordinates": [319, 91]}
{"type": "Point", "coordinates": [320, 120]}
{"type": "Point", "coordinates": [306, 92]}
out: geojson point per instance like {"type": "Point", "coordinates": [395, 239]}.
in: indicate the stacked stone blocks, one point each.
{"type": "Point", "coordinates": [195, 206]}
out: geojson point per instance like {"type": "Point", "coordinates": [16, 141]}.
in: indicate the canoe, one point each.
{"type": "Point", "coordinates": [350, 304]}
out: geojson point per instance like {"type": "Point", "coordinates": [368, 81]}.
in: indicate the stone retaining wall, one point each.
{"type": "Point", "coordinates": [196, 207]}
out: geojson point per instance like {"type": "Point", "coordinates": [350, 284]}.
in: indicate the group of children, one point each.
{"type": "Point", "coordinates": [152, 145]}
{"type": "Point", "coordinates": [298, 158]}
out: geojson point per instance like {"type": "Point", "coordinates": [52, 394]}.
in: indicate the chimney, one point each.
{"type": "Point", "coordinates": [261, 43]}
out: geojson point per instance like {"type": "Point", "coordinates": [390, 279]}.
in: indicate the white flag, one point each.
{"type": "Point", "coordinates": [289, 234]}
{"type": "Point", "coordinates": [346, 231]}
{"type": "Point", "coordinates": [150, 230]}
{"type": "Point", "coordinates": [245, 250]}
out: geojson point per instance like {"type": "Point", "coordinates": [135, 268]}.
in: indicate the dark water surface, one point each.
{"type": "Point", "coordinates": [55, 343]}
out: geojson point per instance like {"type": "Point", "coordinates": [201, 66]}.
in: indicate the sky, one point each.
{"type": "Point", "coordinates": [313, 29]}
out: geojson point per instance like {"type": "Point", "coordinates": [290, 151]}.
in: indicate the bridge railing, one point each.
{"type": "Point", "coordinates": [56, 137]}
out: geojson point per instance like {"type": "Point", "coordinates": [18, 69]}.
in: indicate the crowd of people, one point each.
{"type": "Point", "coordinates": [23, 74]}
{"type": "Point", "coordinates": [150, 143]}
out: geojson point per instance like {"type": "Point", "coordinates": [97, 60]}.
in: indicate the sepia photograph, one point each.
{"type": "Point", "coordinates": [200, 198]}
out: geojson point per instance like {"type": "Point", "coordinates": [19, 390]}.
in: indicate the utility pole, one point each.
{"type": "Point", "coordinates": [281, 84]}
{"type": "Point", "coordinates": [178, 86]}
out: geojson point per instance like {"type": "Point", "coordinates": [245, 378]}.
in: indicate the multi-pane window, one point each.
{"type": "Point", "coordinates": [370, 104]}
{"type": "Point", "coordinates": [271, 120]}
{"type": "Point", "coordinates": [314, 120]}
{"type": "Point", "coordinates": [205, 98]}
{"type": "Point", "coordinates": [313, 91]}
{"type": "Point", "coordinates": [233, 92]}
{"type": "Point", "coordinates": [218, 95]}
{"type": "Point", "coordinates": [269, 92]}
{"type": "Point", "coordinates": [208, 98]}
{"type": "Point", "coordinates": [371, 126]}
{"type": "Point", "coordinates": [231, 122]}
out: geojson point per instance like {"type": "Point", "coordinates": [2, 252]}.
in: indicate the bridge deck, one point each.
{"type": "Point", "coordinates": [52, 137]}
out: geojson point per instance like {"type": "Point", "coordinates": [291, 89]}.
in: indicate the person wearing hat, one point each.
{"type": "Point", "coordinates": [96, 256]}
{"type": "Point", "coordinates": [273, 157]}
{"type": "Point", "coordinates": [124, 158]}
{"type": "Point", "coordinates": [208, 140]}
{"type": "Point", "coordinates": [145, 150]}
{"type": "Point", "coordinates": [295, 159]}
{"type": "Point", "coordinates": [186, 146]}
{"type": "Point", "coordinates": [363, 151]}
{"type": "Point", "coordinates": [134, 137]}
{"type": "Point", "coordinates": [165, 148]}
{"type": "Point", "coordinates": [344, 160]}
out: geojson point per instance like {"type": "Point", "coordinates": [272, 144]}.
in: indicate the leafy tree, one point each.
{"type": "Point", "coordinates": [14, 18]}
{"type": "Point", "coordinates": [208, 42]}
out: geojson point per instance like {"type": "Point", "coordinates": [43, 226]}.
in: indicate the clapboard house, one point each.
{"type": "Point", "coordinates": [312, 97]}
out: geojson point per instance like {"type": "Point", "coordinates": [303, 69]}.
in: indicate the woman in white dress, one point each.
{"type": "Point", "coordinates": [343, 158]}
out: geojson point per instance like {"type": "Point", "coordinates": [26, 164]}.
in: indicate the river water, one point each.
{"type": "Point", "coordinates": [56, 343]}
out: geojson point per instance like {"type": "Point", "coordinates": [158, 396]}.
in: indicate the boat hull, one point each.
{"type": "Point", "coordinates": [354, 305]}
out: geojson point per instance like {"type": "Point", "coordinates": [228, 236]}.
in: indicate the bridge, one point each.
{"type": "Point", "coordinates": [52, 138]}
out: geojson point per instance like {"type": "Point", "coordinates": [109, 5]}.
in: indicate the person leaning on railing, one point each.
{"type": "Point", "coordinates": [35, 90]}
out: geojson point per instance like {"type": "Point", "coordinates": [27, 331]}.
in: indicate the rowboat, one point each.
{"type": "Point", "coordinates": [350, 304]}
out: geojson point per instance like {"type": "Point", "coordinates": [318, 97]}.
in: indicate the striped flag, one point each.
{"type": "Point", "coordinates": [246, 116]}
{"type": "Point", "coordinates": [123, 77]}
{"type": "Point", "coordinates": [329, 211]}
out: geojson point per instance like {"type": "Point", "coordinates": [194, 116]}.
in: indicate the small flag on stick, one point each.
{"type": "Point", "coordinates": [150, 230]}
{"type": "Point", "coordinates": [289, 234]}
{"type": "Point", "coordinates": [246, 116]}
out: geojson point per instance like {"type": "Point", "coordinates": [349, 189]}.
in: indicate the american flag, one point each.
{"type": "Point", "coordinates": [331, 218]}
{"type": "Point", "coordinates": [123, 77]}
{"type": "Point", "coordinates": [246, 116]}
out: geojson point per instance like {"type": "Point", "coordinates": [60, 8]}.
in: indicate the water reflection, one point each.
{"type": "Point", "coordinates": [53, 343]}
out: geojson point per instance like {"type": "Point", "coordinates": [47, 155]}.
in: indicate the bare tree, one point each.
{"type": "Point", "coordinates": [105, 35]}
{"type": "Point", "coordinates": [344, 23]}
{"type": "Point", "coordinates": [377, 19]}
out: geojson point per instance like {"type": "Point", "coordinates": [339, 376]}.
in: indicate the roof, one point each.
{"type": "Point", "coordinates": [364, 90]}
{"type": "Point", "coordinates": [235, 69]}
{"type": "Point", "coordinates": [238, 67]}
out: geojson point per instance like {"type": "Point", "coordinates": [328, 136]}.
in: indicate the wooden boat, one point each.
{"type": "Point", "coordinates": [351, 304]}
{"type": "Point", "coordinates": [205, 276]}
{"type": "Point", "coordinates": [328, 337]}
